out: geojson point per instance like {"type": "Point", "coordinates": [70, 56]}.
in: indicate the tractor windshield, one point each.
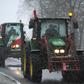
{"type": "Point", "coordinates": [53, 28]}
{"type": "Point", "coordinates": [13, 34]}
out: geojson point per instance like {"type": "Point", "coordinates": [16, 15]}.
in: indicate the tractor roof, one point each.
{"type": "Point", "coordinates": [58, 18]}
{"type": "Point", "coordinates": [12, 23]}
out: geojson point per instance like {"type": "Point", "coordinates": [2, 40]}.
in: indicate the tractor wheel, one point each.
{"type": "Point", "coordinates": [2, 57]}
{"type": "Point", "coordinates": [81, 63]}
{"type": "Point", "coordinates": [23, 62]}
{"type": "Point", "coordinates": [76, 76]}
{"type": "Point", "coordinates": [66, 76]}
{"type": "Point", "coordinates": [34, 69]}
{"type": "Point", "coordinates": [3, 63]}
{"type": "Point", "coordinates": [71, 76]}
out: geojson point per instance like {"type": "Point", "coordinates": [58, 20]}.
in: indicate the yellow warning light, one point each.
{"type": "Point", "coordinates": [70, 14]}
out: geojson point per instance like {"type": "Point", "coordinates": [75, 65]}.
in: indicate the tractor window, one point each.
{"type": "Point", "coordinates": [12, 33]}
{"type": "Point", "coordinates": [0, 32]}
{"type": "Point", "coordinates": [53, 28]}
{"type": "Point", "coordinates": [1, 40]}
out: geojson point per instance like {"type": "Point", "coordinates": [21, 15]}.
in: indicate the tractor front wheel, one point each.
{"type": "Point", "coordinates": [71, 76]}
{"type": "Point", "coordinates": [2, 57]}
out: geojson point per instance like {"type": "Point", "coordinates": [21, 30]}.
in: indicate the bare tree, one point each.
{"type": "Point", "coordinates": [52, 8]}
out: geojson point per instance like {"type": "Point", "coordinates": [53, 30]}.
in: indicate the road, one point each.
{"type": "Point", "coordinates": [47, 78]}
{"type": "Point", "coordinates": [4, 79]}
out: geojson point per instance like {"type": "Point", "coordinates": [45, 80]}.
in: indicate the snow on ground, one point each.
{"type": "Point", "coordinates": [13, 61]}
{"type": "Point", "coordinates": [45, 73]}
{"type": "Point", "coordinates": [51, 76]}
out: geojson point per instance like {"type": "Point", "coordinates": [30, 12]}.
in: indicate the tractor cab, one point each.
{"type": "Point", "coordinates": [54, 31]}
{"type": "Point", "coordinates": [13, 37]}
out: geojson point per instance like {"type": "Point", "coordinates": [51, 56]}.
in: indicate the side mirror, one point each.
{"type": "Point", "coordinates": [31, 24]}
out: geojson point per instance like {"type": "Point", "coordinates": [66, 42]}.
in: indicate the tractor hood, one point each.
{"type": "Point", "coordinates": [56, 41]}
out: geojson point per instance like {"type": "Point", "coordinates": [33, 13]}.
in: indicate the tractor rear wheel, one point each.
{"type": "Point", "coordinates": [77, 76]}
{"type": "Point", "coordinates": [2, 57]}
{"type": "Point", "coordinates": [23, 62]}
{"type": "Point", "coordinates": [34, 69]}
{"type": "Point", "coordinates": [72, 76]}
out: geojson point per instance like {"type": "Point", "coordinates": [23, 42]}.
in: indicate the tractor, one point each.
{"type": "Point", "coordinates": [11, 41]}
{"type": "Point", "coordinates": [52, 47]}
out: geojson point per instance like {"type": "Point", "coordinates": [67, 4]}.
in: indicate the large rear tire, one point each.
{"type": "Point", "coordinates": [2, 57]}
{"type": "Point", "coordinates": [77, 76]}
{"type": "Point", "coordinates": [34, 69]}
{"type": "Point", "coordinates": [71, 76]}
{"type": "Point", "coordinates": [24, 63]}
{"type": "Point", "coordinates": [81, 62]}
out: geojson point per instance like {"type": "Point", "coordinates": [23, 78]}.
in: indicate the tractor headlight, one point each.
{"type": "Point", "coordinates": [62, 51]}
{"type": "Point", "coordinates": [57, 51]}
{"type": "Point", "coordinates": [17, 46]}
{"type": "Point", "coordinates": [12, 46]}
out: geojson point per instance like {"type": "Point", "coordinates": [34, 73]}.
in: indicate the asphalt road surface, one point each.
{"type": "Point", "coordinates": [4, 79]}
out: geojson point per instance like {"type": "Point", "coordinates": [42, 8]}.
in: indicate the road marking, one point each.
{"type": "Point", "coordinates": [11, 78]}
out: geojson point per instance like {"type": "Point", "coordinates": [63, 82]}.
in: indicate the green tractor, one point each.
{"type": "Point", "coordinates": [11, 41]}
{"type": "Point", "coordinates": [52, 47]}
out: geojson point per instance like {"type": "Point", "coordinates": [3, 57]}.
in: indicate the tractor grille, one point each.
{"type": "Point", "coordinates": [64, 63]}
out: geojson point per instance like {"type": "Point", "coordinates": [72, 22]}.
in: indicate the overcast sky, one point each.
{"type": "Point", "coordinates": [8, 10]}
{"type": "Point", "coordinates": [8, 13]}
